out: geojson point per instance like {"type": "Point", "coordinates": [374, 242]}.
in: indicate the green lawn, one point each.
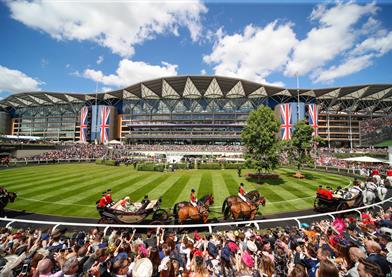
{"type": "Point", "coordinates": [385, 143]}
{"type": "Point", "coordinates": [72, 189]}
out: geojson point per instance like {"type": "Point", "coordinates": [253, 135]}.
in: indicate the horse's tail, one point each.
{"type": "Point", "coordinates": [175, 211]}
{"type": "Point", "coordinates": [225, 209]}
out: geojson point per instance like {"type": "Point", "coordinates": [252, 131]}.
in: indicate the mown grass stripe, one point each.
{"type": "Point", "coordinates": [171, 194]}
{"type": "Point", "coordinates": [193, 183]}
{"type": "Point", "coordinates": [231, 184]}
{"type": "Point", "coordinates": [31, 178]}
{"type": "Point", "coordinates": [27, 186]}
{"type": "Point", "coordinates": [115, 186]}
{"type": "Point", "coordinates": [139, 193]}
{"type": "Point", "coordinates": [66, 185]}
{"type": "Point", "coordinates": [219, 190]}
{"type": "Point", "coordinates": [87, 187]}
{"type": "Point", "coordinates": [205, 185]}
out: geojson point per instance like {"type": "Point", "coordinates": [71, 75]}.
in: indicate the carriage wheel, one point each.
{"type": "Point", "coordinates": [342, 206]}
{"type": "Point", "coordinates": [160, 215]}
{"type": "Point", "coordinates": [103, 220]}
{"type": "Point", "coordinates": [316, 204]}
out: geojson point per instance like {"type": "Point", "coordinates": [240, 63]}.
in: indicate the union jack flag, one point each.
{"type": "Point", "coordinates": [286, 126]}
{"type": "Point", "coordinates": [83, 124]}
{"type": "Point", "coordinates": [104, 126]}
{"type": "Point", "coordinates": [313, 118]}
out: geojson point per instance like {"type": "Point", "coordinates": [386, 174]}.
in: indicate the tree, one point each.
{"type": "Point", "coordinates": [301, 144]}
{"type": "Point", "coordinates": [259, 137]}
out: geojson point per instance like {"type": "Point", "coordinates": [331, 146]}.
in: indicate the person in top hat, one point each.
{"type": "Point", "coordinates": [145, 202]}
{"type": "Point", "coordinates": [192, 198]}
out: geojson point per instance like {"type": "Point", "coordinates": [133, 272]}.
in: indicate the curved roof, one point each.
{"type": "Point", "coordinates": [377, 95]}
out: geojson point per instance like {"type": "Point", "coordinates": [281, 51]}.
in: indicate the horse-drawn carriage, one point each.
{"type": "Point", "coordinates": [328, 202]}
{"type": "Point", "coordinates": [111, 215]}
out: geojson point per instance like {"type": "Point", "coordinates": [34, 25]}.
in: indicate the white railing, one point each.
{"type": "Point", "coordinates": [207, 225]}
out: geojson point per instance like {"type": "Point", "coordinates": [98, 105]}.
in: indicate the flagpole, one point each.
{"type": "Point", "coordinates": [96, 111]}
{"type": "Point", "coordinates": [297, 96]}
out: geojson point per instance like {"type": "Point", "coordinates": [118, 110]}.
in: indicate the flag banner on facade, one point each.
{"type": "Point", "coordinates": [290, 113]}
{"type": "Point", "coordinates": [83, 124]}
{"type": "Point", "coordinates": [286, 126]}
{"type": "Point", "coordinates": [313, 118]}
{"type": "Point", "coordinates": [104, 124]}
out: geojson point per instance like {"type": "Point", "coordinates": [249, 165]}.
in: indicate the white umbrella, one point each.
{"type": "Point", "coordinates": [364, 159]}
{"type": "Point", "coordinates": [115, 142]}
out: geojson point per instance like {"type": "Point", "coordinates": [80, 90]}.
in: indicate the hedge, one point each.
{"type": "Point", "coordinates": [209, 166]}
{"type": "Point", "coordinates": [182, 166]}
{"type": "Point", "coordinates": [150, 167]}
{"type": "Point", "coordinates": [106, 162]}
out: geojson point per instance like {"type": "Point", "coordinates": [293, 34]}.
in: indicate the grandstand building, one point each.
{"type": "Point", "coordinates": [187, 109]}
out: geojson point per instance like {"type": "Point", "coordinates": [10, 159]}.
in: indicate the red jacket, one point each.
{"type": "Point", "coordinates": [109, 199]}
{"type": "Point", "coordinates": [102, 202]}
{"type": "Point", "coordinates": [242, 191]}
{"type": "Point", "coordinates": [193, 197]}
{"type": "Point", "coordinates": [389, 172]}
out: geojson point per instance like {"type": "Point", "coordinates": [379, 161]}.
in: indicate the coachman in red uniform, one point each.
{"type": "Point", "coordinates": [108, 197]}
{"type": "Point", "coordinates": [102, 202]}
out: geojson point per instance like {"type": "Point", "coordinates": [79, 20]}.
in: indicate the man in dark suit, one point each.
{"type": "Point", "coordinates": [373, 249]}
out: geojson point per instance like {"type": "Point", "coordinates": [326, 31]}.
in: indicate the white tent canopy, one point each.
{"type": "Point", "coordinates": [115, 142]}
{"type": "Point", "coordinates": [364, 159]}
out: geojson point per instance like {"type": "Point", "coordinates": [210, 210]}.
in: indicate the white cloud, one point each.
{"type": "Point", "coordinates": [100, 60]}
{"type": "Point", "coordinates": [350, 66]}
{"type": "Point", "coordinates": [14, 81]}
{"type": "Point", "coordinates": [253, 54]}
{"type": "Point", "coordinates": [379, 45]}
{"type": "Point", "coordinates": [334, 35]}
{"type": "Point", "coordinates": [106, 89]}
{"type": "Point", "coordinates": [130, 72]}
{"type": "Point", "coordinates": [118, 26]}
{"type": "Point", "coordinates": [203, 72]}
{"type": "Point", "coordinates": [67, 65]}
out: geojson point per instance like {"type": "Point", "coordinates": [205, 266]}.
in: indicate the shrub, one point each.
{"type": "Point", "coordinates": [150, 167]}
{"type": "Point", "coordinates": [209, 166]}
{"type": "Point", "coordinates": [107, 162]}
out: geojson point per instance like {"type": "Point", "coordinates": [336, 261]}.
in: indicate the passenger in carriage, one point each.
{"type": "Point", "coordinates": [192, 198]}
{"type": "Point", "coordinates": [124, 205]}
{"type": "Point", "coordinates": [339, 192]}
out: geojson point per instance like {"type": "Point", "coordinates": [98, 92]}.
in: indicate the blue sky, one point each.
{"type": "Point", "coordinates": [69, 46]}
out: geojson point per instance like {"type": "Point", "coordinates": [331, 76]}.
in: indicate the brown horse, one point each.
{"type": "Point", "coordinates": [184, 210]}
{"type": "Point", "coordinates": [242, 209]}
{"type": "Point", "coordinates": [230, 200]}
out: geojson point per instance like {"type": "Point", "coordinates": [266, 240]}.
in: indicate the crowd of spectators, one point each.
{"type": "Point", "coordinates": [76, 151]}
{"type": "Point", "coordinates": [186, 147]}
{"type": "Point", "coordinates": [375, 124]}
{"type": "Point", "coordinates": [347, 246]}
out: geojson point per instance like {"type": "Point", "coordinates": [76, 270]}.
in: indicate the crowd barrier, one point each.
{"type": "Point", "coordinates": [255, 223]}
{"type": "Point", "coordinates": [45, 162]}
